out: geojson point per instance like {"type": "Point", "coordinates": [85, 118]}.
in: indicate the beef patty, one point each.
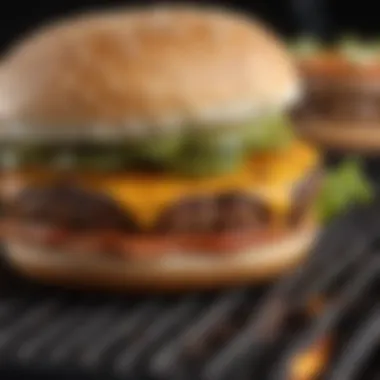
{"type": "Point", "coordinates": [333, 100]}
{"type": "Point", "coordinates": [75, 209]}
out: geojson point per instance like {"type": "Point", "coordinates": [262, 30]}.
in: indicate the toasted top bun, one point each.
{"type": "Point", "coordinates": [138, 71]}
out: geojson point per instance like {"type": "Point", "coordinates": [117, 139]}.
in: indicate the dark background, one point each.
{"type": "Point", "coordinates": [326, 17]}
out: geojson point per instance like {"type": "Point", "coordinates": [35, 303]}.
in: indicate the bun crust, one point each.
{"type": "Point", "coordinates": [171, 274]}
{"type": "Point", "coordinates": [345, 136]}
{"type": "Point", "coordinates": [142, 71]}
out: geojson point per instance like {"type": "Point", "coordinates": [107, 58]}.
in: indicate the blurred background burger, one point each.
{"type": "Point", "coordinates": [340, 110]}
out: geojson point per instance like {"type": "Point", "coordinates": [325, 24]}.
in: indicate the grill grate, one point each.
{"type": "Point", "coordinates": [240, 334]}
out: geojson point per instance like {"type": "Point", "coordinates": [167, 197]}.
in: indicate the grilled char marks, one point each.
{"type": "Point", "coordinates": [238, 211]}
{"type": "Point", "coordinates": [70, 207]}
{"type": "Point", "coordinates": [76, 209]}
{"type": "Point", "coordinates": [214, 214]}
{"type": "Point", "coordinates": [191, 215]}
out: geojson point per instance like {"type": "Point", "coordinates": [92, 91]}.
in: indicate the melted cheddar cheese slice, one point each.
{"type": "Point", "coordinates": [270, 177]}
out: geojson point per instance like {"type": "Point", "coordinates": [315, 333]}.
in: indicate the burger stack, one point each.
{"type": "Point", "coordinates": [153, 148]}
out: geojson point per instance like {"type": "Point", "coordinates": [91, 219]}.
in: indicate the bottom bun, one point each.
{"type": "Point", "coordinates": [170, 273]}
{"type": "Point", "coordinates": [360, 137]}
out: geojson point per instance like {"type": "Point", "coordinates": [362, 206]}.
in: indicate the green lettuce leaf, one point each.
{"type": "Point", "coordinates": [343, 187]}
{"type": "Point", "coordinates": [306, 46]}
{"type": "Point", "coordinates": [358, 50]}
{"type": "Point", "coordinates": [271, 132]}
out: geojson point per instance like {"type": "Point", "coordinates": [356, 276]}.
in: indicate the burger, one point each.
{"type": "Point", "coordinates": [340, 110]}
{"type": "Point", "coordinates": [150, 148]}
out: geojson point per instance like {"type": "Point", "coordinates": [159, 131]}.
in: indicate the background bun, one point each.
{"type": "Point", "coordinates": [125, 71]}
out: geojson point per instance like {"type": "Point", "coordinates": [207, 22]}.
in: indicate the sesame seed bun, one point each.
{"type": "Point", "coordinates": [142, 71]}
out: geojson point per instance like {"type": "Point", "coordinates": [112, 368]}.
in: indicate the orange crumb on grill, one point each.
{"type": "Point", "coordinates": [309, 364]}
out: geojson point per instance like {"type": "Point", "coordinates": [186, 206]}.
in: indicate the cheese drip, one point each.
{"type": "Point", "coordinates": [269, 177]}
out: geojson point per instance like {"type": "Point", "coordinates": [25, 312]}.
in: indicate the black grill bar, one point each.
{"type": "Point", "coordinates": [8, 309]}
{"type": "Point", "coordinates": [345, 241]}
{"type": "Point", "coordinates": [165, 326]}
{"type": "Point", "coordinates": [358, 348]}
{"type": "Point", "coordinates": [24, 323]}
{"type": "Point", "coordinates": [262, 327]}
{"type": "Point", "coordinates": [329, 274]}
{"type": "Point", "coordinates": [248, 344]}
{"type": "Point", "coordinates": [198, 331]}
{"type": "Point", "coordinates": [267, 318]}
{"type": "Point", "coordinates": [121, 329]}
{"type": "Point", "coordinates": [41, 342]}
{"type": "Point", "coordinates": [83, 333]}
{"type": "Point", "coordinates": [331, 317]}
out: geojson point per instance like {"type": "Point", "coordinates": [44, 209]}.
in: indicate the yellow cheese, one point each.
{"type": "Point", "coordinates": [269, 176]}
